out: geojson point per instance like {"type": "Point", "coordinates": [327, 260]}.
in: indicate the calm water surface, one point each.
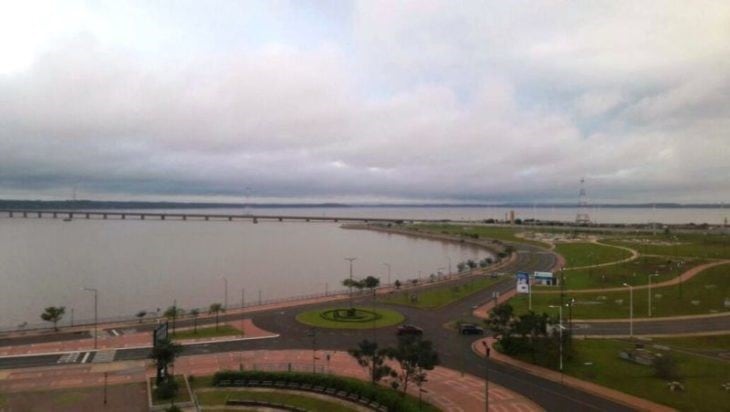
{"type": "Point", "coordinates": [145, 265]}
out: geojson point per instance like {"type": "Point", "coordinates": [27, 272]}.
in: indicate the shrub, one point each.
{"type": "Point", "coordinates": [665, 367]}
{"type": "Point", "coordinates": [166, 389]}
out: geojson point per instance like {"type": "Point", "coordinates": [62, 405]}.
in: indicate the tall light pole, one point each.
{"type": "Point", "coordinates": [486, 376]}
{"type": "Point", "coordinates": [388, 266]}
{"type": "Point", "coordinates": [351, 259]}
{"type": "Point", "coordinates": [96, 314]}
{"type": "Point", "coordinates": [243, 297]}
{"type": "Point", "coordinates": [449, 264]}
{"type": "Point", "coordinates": [631, 310]}
{"type": "Point", "coordinates": [649, 277]}
{"type": "Point", "coordinates": [560, 335]}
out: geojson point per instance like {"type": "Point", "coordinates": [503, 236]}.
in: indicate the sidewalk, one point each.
{"type": "Point", "coordinates": [445, 388]}
{"type": "Point", "coordinates": [598, 390]}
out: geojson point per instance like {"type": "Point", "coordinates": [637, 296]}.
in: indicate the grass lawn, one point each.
{"type": "Point", "coordinates": [634, 272]}
{"type": "Point", "coordinates": [219, 397]}
{"type": "Point", "coordinates": [505, 234]}
{"type": "Point", "coordinates": [713, 246]}
{"type": "Point", "coordinates": [586, 254]}
{"type": "Point", "coordinates": [703, 294]}
{"type": "Point", "coordinates": [388, 317]}
{"type": "Point", "coordinates": [597, 360]}
{"type": "Point", "coordinates": [439, 296]}
{"type": "Point", "coordinates": [208, 332]}
{"type": "Point", "coordinates": [182, 394]}
{"type": "Point", "coordinates": [120, 398]}
{"type": "Point", "coordinates": [718, 342]}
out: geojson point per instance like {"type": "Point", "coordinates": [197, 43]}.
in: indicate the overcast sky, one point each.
{"type": "Point", "coordinates": [376, 101]}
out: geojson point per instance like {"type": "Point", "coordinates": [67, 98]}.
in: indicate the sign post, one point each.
{"type": "Point", "coordinates": [523, 286]}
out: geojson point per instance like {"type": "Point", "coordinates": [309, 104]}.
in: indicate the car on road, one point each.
{"type": "Point", "coordinates": [409, 330]}
{"type": "Point", "coordinates": [470, 329]}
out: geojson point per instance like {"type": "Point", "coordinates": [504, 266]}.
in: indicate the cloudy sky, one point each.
{"type": "Point", "coordinates": [376, 101]}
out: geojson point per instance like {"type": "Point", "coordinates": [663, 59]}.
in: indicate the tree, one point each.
{"type": "Point", "coordinates": [397, 284]}
{"type": "Point", "coordinates": [216, 308]}
{"type": "Point", "coordinates": [164, 353]}
{"type": "Point", "coordinates": [369, 356]}
{"type": "Point", "coordinates": [53, 314]}
{"type": "Point", "coordinates": [500, 320]}
{"type": "Point", "coordinates": [173, 312]}
{"type": "Point", "coordinates": [461, 266]}
{"type": "Point", "coordinates": [415, 356]}
{"type": "Point", "coordinates": [371, 282]}
{"type": "Point", "coordinates": [141, 314]}
{"type": "Point", "coordinates": [194, 313]}
{"type": "Point", "coordinates": [472, 264]}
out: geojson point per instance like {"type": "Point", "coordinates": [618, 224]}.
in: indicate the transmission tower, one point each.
{"type": "Point", "coordinates": [582, 218]}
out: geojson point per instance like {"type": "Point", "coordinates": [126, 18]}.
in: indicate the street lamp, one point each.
{"type": "Point", "coordinates": [649, 277]}
{"type": "Point", "coordinates": [560, 332]}
{"type": "Point", "coordinates": [486, 375]}
{"type": "Point", "coordinates": [631, 310]}
{"type": "Point", "coordinates": [351, 259]}
{"type": "Point", "coordinates": [96, 314]}
{"type": "Point", "coordinates": [388, 266]}
{"type": "Point", "coordinates": [243, 297]}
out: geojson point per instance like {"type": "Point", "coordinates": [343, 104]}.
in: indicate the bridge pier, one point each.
{"type": "Point", "coordinates": [337, 220]}
{"type": "Point", "coordinates": [141, 217]}
{"type": "Point", "coordinates": [103, 216]}
{"type": "Point", "coordinates": [162, 217]}
{"type": "Point", "coordinates": [207, 218]}
{"type": "Point", "coordinates": [55, 215]}
{"type": "Point", "coordinates": [88, 215]}
{"type": "Point", "coordinates": [230, 218]}
{"type": "Point", "coordinates": [40, 214]}
{"type": "Point", "coordinates": [185, 217]}
{"type": "Point", "coordinates": [281, 219]}
{"type": "Point", "coordinates": [307, 220]}
{"type": "Point", "coordinates": [25, 214]}
{"type": "Point", "coordinates": [124, 216]}
{"type": "Point", "coordinates": [70, 215]}
{"type": "Point", "coordinates": [255, 220]}
{"type": "Point", "coordinates": [10, 214]}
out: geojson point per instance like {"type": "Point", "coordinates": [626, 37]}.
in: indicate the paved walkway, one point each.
{"type": "Point", "coordinates": [602, 391]}
{"type": "Point", "coordinates": [445, 388]}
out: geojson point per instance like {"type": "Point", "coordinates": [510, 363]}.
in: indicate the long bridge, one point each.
{"type": "Point", "coordinates": [136, 215]}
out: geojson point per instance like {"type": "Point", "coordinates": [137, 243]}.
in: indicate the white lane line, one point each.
{"type": "Point", "coordinates": [86, 357]}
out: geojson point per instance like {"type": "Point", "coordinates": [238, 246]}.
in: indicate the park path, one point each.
{"type": "Point", "coordinates": [685, 276]}
{"type": "Point", "coordinates": [555, 376]}
{"type": "Point", "coordinates": [446, 388]}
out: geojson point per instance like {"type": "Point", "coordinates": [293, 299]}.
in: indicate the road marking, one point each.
{"type": "Point", "coordinates": [114, 332]}
{"type": "Point", "coordinates": [86, 357]}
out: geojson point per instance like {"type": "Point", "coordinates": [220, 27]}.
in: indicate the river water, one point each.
{"type": "Point", "coordinates": [145, 265]}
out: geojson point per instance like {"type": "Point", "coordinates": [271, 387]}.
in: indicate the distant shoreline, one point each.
{"type": "Point", "coordinates": [97, 205]}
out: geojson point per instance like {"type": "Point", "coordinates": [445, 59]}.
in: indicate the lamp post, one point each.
{"type": "Point", "coordinates": [449, 264]}
{"type": "Point", "coordinates": [486, 376]}
{"type": "Point", "coordinates": [351, 259]}
{"type": "Point", "coordinates": [243, 297]}
{"type": "Point", "coordinates": [631, 310]}
{"type": "Point", "coordinates": [649, 277]}
{"type": "Point", "coordinates": [560, 334]}
{"type": "Point", "coordinates": [96, 314]}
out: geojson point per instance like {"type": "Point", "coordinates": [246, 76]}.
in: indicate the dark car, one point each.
{"type": "Point", "coordinates": [409, 330]}
{"type": "Point", "coordinates": [470, 329]}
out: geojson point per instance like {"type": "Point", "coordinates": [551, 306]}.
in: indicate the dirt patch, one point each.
{"type": "Point", "coordinates": [128, 397]}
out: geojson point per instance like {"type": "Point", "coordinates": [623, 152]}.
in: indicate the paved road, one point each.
{"type": "Point", "coordinates": [455, 350]}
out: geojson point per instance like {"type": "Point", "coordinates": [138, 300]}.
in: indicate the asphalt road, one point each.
{"type": "Point", "coordinates": [454, 350]}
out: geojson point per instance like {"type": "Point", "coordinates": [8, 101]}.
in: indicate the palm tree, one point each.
{"type": "Point", "coordinates": [141, 314]}
{"type": "Point", "coordinates": [216, 308]}
{"type": "Point", "coordinates": [53, 314]}
{"type": "Point", "coordinates": [194, 313]}
{"type": "Point", "coordinates": [164, 353]}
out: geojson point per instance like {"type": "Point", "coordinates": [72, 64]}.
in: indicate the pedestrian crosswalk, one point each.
{"type": "Point", "coordinates": [102, 356]}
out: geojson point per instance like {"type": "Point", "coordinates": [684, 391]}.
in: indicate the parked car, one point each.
{"type": "Point", "coordinates": [409, 330]}
{"type": "Point", "coordinates": [470, 329]}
